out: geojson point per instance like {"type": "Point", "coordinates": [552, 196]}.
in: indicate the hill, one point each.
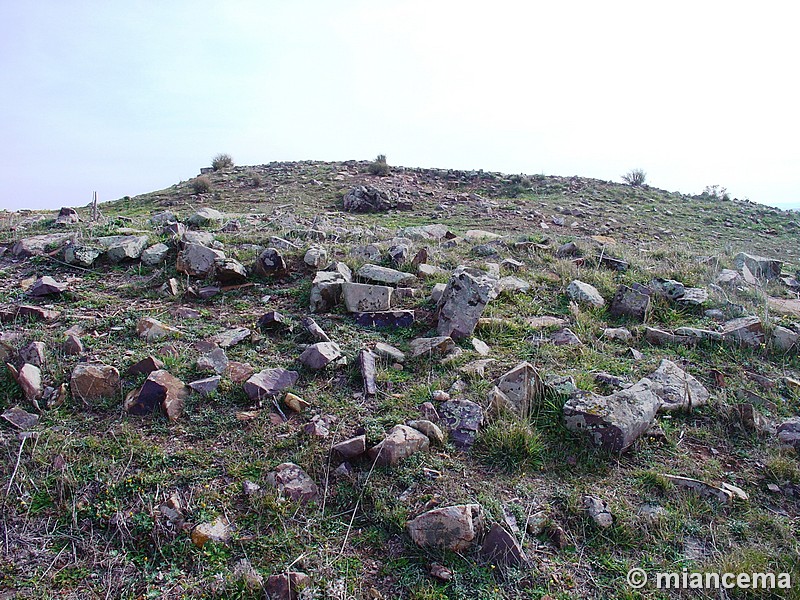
{"type": "Point", "coordinates": [486, 386]}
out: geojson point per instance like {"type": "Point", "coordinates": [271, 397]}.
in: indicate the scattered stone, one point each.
{"type": "Point", "coordinates": [463, 300]}
{"type": "Point", "coordinates": [160, 389]}
{"type": "Point", "coordinates": [616, 264]}
{"type": "Point", "coordinates": [620, 334]}
{"type": "Point", "coordinates": [747, 331]}
{"type": "Point", "coordinates": [244, 572]}
{"type": "Point", "coordinates": [205, 217]}
{"type": "Point", "coordinates": [285, 586]}
{"type": "Point", "coordinates": [399, 252]}
{"type": "Point", "coordinates": [614, 422]}
{"type": "Point", "coordinates": [480, 346]}
{"type": "Point", "coordinates": [464, 419]}
{"type": "Point", "coordinates": [314, 330]}
{"type": "Point", "coordinates": [426, 271]}
{"type": "Point", "coordinates": [440, 572]}
{"type": "Point", "coordinates": [202, 238]}
{"type": "Point", "coordinates": [764, 268]}
{"type": "Point", "coordinates": [318, 356]}
{"type": "Point", "coordinates": [427, 232]}
{"type": "Point", "coordinates": [215, 361]}
{"type": "Point", "coordinates": [67, 216]}
{"type": "Point", "coordinates": [598, 511]}
{"type": "Point", "coordinates": [389, 352]}
{"type": "Point", "coordinates": [369, 372]}
{"type": "Point", "coordinates": [45, 286]}
{"type": "Point", "coordinates": [81, 256]}
{"type": "Point", "coordinates": [293, 482]}
{"type": "Point", "coordinates": [391, 319]}
{"type": "Point", "coordinates": [218, 531]}
{"type": "Point", "coordinates": [269, 382]}
{"type": "Point", "coordinates": [784, 339]}
{"type": "Point", "coordinates": [94, 381]}
{"type": "Point", "coordinates": [703, 489]}
{"type": "Point", "coordinates": [440, 346]}
{"type": "Point", "coordinates": [40, 244]}
{"type": "Point", "coordinates": [565, 337]}
{"type": "Point", "coordinates": [206, 387]}
{"type": "Point", "coordinates": [385, 276]}
{"type": "Point", "coordinates": [272, 321]}
{"type": "Point", "coordinates": [368, 253]}
{"type": "Point", "coordinates": [429, 429]}
{"type": "Point", "coordinates": [270, 262]}
{"type": "Point", "coordinates": [150, 329]}
{"type": "Point", "coordinates": [369, 199]}
{"type": "Point", "coordinates": [239, 372]}
{"type": "Point", "coordinates": [500, 547]}
{"type": "Point", "coordinates": [678, 389]}
{"type": "Point", "coordinates": [351, 448]}
{"type": "Point", "coordinates": [437, 291]}
{"type": "Point", "coordinates": [523, 387]}
{"type": "Point", "coordinates": [196, 260]}
{"type": "Point", "coordinates": [361, 297]}
{"type": "Point", "coordinates": [20, 418]}
{"type": "Point", "coordinates": [401, 442]}
{"type": "Point", "coordinates": [693, 297]}
{"type": "Point", "coordinates": [230, 337]}
{"type": "Point", "coordinates": [454, 528]}
{"type": "Point", "coordinates": [154, 255]}
{"type": "Point", "coordinates": [477, 368]}
{"type": "Point", "coordinates": [145, 366]}
{"type": "Point", "coordinates": [789, 433]}
{"type": "Point", "coordinates": [34, 353]}
{"type": "Point", "coordinates": [326, 291]}
{"type": "Point", "coordinates": [628, 302]}
{"type": "Point", "coordinates": [585, 293]}
{"type": "Point", "coordinates": [123, 247]}
{"type": "Point", "coordinates": [545, 322]}
{"type": "Point", "coordinates": [230, 271]}
{"type": "Point", "coordinates": [295, 402]}
{"type": "Point", "coordinates": [315, 257]}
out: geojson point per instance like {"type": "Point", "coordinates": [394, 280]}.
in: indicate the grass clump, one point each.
{"type": "Point", "coordinates": [511, 445]}
{"type": "Point", "coordinates": [201, 185]}
{"type": "Point", "coordinates": [222, 162]}
{"type": "Point", "coordinates": [379, 166]}
{"type": "Point", "coordinates": [635, 177]}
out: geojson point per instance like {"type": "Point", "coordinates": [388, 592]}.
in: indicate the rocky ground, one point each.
{"type": "Point", "coordinates": [301, 380]}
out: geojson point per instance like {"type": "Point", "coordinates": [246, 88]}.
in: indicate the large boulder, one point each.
{"type": "Point", "coordinates": [123, 247]}
{"type": "Point", "coordinates": [367, 199]}
{"type": "Point", "coordinates": [463, 300]}
{"type": "Point", "coordinates": [401, 442]}
{"type": "Point", "coordinates": [197, 260]}
{"type": "Point", "coordinates": [678, 389]}
{"type": "Point", "coordinates": [614, 422]}
{"type": "Point", "coordinates": [454, 528]}
{"type": "Point", "coordinates": [759, 266]}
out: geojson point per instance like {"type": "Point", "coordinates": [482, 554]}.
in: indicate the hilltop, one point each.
{"type": "Point", "coordinates": [484, 386]}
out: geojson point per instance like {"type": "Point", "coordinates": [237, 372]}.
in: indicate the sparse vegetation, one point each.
{"type": "Point", "coordinates": [635, 177]}
{"type": "Point", "coordinates": [717, 192]}
{"type": "Point", "coordinates": [201, 185]}
{"type": "Point", "coordinates": [222, 162]}
{"type": "Point", "coordinates": [379, 166]}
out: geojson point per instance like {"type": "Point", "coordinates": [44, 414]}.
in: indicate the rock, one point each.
{"type": "Point", "coordinates": [477, 368]}
{"type": "Point", "coordinates": [598, 511]}
{"type": "Point", "coordinates": [427, 232]}
{"type": "Point", "coordinates": [67, 216]}
{"type": "Point", "coordinates": [747, 331]}
{"type": "Point", "coordinates": [628, 302]}
{"type": "Point", "coordinates": [368, 199]}
{"type": "Point", "coordinates": [196, 260]}
{"type": "Point", "coordinates": [206, 387]}
{"type": "Point", "coordinates": [40, 244]}
{"type": "Point", "coordinates": [750, 419]}
{"type": "Point", "coordinates": [145, 366]}
{"type": "Point", "coordinates": [314, 330]}
{"type": "Point", "coordinates": [154, 255]}
{"type": "Point", "coordinates": [205, 217]}
{"type": "Point", "coordinates": [463, 300]}
{"type": "Point", "coordinates": [29, 378]}
{"type": "Point", "coordinates": [511, 284]}
{"type": "Point", "coordinates": [620, 334]}
{"type": "Point", "coordinates": [72, 345]}
{"type": "Point", "coordinates": [217, 531]}
{"type": "Point", "coordinates": [545, 322]}
{"type": "Point", "coordinates": [454, 528]}
{"type": "Point", "coordinates": [764, 268]}
{"type": "Point", "coordinates": [270, 262]}
{"type": "Point", "coordinates": [368, 253]}
{"type": "Point", "coordinates": [401, 442]}
{"type": "Point", "coordinates": [150, 329]}
{"type": "Point", "coordinates": [369, 372]}
{"type": "Point", "coordinates": [34, 313]}
{"type": "Point", "coordinates": [426, 271]}
{"type": "Point", "coordinates": [386, 276]}
{"type": "Point", "coordinates": [440, 346]}
{"type": "Point", "coordinates": [693, 297]}
{"type": "Point", "coordinates": [389, 352]}
{"type": "Point", "coordinates": [351, 448]}
{"type": "Point", "coordinates": [614, 422]}
{"type": "Point", "coordinates": [94, 381]}
{"type": "Point", "coordinates": [678, 390]}
{"type": "Point", "coordinates": [440, 572]}
{"type": "Point", "coordinates": [703, 489]}
{"type": "Point", "coordinates": [45, 286]}
{"type": "Point", "coordinates": [282, 244]}
{"type": "Point", "coordinates": [326, 291]}
{"type": "Point", "coordinates": [399, 253]}
{"type": "Point", "coordinates": [480, 346]}
{"type": "Point", "coordinates": [616, 264]}
{"type": "Point", "coordinates": [437, 291]}
{"type": "Point", "coordinates": [244, 572]}
{"type": "Point", "coordinates": [522, 386]}
{"type": "Point", "coordinates": [360, 297]}
{"type": "Point", "coordinates": [293, 482]}
{"type": "Point", "coordinates": [392, 319]}
{"type": "Point", "coordinates": [463, 418]}
{"type": "Point", "coordinates": [82, 256]}
{"type": "Point", "coordinates": [272, 321]}
{"type": "Point", "coordinates": [789, 433]}
{"type": "Point", "coordinates": [123, 247]}
{"type": "Point", "coordinates": [269, 382]}
{"type": "Point", "coordinates": [202, 238]}
{"type": "Point", "coordinates": [585, 293]}
{"type": "Point", "coordinates": [315, 257]}
{"type": "Point", "coordinates": [160, 389]}
{"type": "Point", "coordinates": [174, 230]}
{"type": "Point", "coordinates": [429, 429]}
{"type": "Point", "coordinates": [239, 372]}
{"type": "Point", "coordinates": [34, 353]}
{"type": "Point", "coordinates": [230, 271]}
{"type": "Point", "coordinates": [500, 547]}
{"type": "Point", "coordinates": [568, 249]}
{"type": "Point", "coordinates": [565, 337]}
{"type": "Point", "coordinates": [215, 361]}
{"type": "Point", "coordinates": [285, 586]}
{"type": "Point", "coordinates": [295, 403]}
{"type": "Point", "coordinates": [230, 337]}
{"type": "Point", "coordinates": [318, 356]}
{"type": "Point", "coordinates": [20, 418]}
{"type": "Point", "coordinates": [784, 339]}
{"type": "Point", "coordinates": [163, 218]}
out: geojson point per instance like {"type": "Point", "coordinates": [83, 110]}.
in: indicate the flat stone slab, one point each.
{"type": "Point", "coordinates": [269, 382]}
{"type": "Point", "coordinates": [386, 276]}
{"type": "Point", "coordinates": [361, 297]}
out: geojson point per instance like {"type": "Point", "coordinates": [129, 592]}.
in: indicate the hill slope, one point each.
{"type": "Point", "coordinates": [102, 501]}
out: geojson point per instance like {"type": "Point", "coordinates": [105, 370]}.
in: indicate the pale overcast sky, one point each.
{"type": "Point", "coordinates": [130, 97]}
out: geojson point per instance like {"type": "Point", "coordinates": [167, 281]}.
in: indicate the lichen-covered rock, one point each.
{"type": "Point", "coordinates": [677, 388]}
{"type": "Point", "coordinates": [401, 442]}
{"type": "Point", "coordinates": [463, 301]}
{"type": "Point", "coordinates": [361, 297]}
{"type": "Point", "coordinates": [94, 381]}
{"type": "Point", "coordinates": [293, 482]}
{"type": "Point", "coordinates": [585, 294]}
{"type": "Point", "coordinates": [197, 260]}
{"type": "Point", "coordinates": [123, 247]}
{"type": "Point", "coordinates": [454, 528]}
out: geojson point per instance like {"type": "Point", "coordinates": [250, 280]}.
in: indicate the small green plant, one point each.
{"type": "Point", "coordinates": [379, 166]}
{"type": "Point", "coordinates": [222, 162]}
{"type": "Point", "coordinates": [201, 185]}
{"type": "Point", "coordinates": [255, 179]}
{"type": "Point", "coordinates": [635, 177]}
{"type": "Point", "coordinates": [717, 192]}
{"type": "Point", "coordinates": [511, 445]}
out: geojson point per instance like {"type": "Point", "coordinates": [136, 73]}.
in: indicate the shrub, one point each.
{"type": "Point", "coordinates": [379, 167]}
{"type": "Point", "coordinates": [716, 192]}
{"type": "Point", "coordinates": [511, 445]}
{"type": "Point", "coordinates": [255, 180]}
{"type": "Point", "coordinates": [201, 185]}
{"type": "Point", "coordinates": [221, 162]}
{"type": "Point", "coordinates": [634, 177]}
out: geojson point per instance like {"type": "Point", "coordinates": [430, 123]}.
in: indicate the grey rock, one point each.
{"type": "Point", "coordinates": [230, 337]}
{"type": "Point", "coordinates": [428, 428]}
{"type": "Point", "coordinates": [463, 418]}
{"type": "Point", "coordinates": [82, 256]}
{"type": "Point", "coordinates": [678, 389]}
{"type": "Point", "coordinates": [585, 294]}
{"type": "Point", "coordinates": [293, 482]}
{"type": "Point", "coordinates": [620, 334]}
{"type": "Point", "coordinates": [369, 253]}
{"type": "Point", "coordinates": [440, 346]}
{"type": "Point", "coordinates": [401, 442]}
{"type": "Point", "coordinates": [315, 257]}
{"type": "Point", "coordinates": [269, 382]}
{"type": "Point", "coordinates": [123, 247]}
{"type": "Point", "coordinates": [151, 329]}
{"type": "Point", "coordinates": [67, 216]}
{"type": "Point", "coordinates": [326, 291]}
{"type": "Point", "coordinates": [230, 271]}
{"type": "Point", "coordinates": [511, 284]}
{"type": "Point", "coordinates": [154, 255]}
{"type": "Point", "coordinates": [314, 330]}
{"type": "Point", "coordinates": [94, 381]}
{"type": "Point", "coordinates": [369, 372]}
{"type": "Point", "coordinates": [454, 528]}
{"type": "Point", "coordinates": [367, 199]}
{"type": "Point", "coordinates": [759, 266]}
{"type": "Point", "coordinates": [29, 379]}
{"type": "Point", "coordinates": [282, 244]}
{"type": "Point", "coordinates": [34, 353]}
{"type": "Point", "coordinates": [389, 352]}
{"type": "Point", "coordinates": [437, 292]}
{"type": "Point", "coordinates": [215, 361]}
{"type": "Point", "coordinates": [163, 218]}
{"type": "Point", "coordinates": [784, 339]}
{"type": "Point", "coordinates": [523, 387]}
{"type": "Point", "coordinates": [40, 244]}
{"type": "Point", "coordinates": [747, 331]}
{"type": "Point", "coordinates": [386, 276]}
{"type": "Point", "coordinates": [360, 297]}
{"type": "Point", "coordinates": [20, 418]}
{"type": "Point", "coordinates": [196, 260]}
{"type": "Point", "coordinates": [205, 217]}
{"type": "Point", "coordinates": [501, 547]}
{"type": "Point", "coordinates": [565, 337]}
{"type": "Point", "coordinates": [628, 302]}
{"type": "Point", "coordinates": [463, 301]}
{"type": "Point", "coordinates": [598, 511]}
{"type": "Point", "coordinates": [320, 355]}
{"type": "Point", "coordinates": [270, 262]}
{"type": "Point", "coordinates": [206, 387]}
{"type": "Point", "coordinates": [45, 286]}
{"type": "Point", "coordinates": [427, 232]}
{"type": "Point", "coordinates": [789, 432]}
{"type": "Point", "coordinates": [351, 448]}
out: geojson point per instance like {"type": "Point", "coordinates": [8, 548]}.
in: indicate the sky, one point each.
{"type": "Point", "coordinates": [124, 98]}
